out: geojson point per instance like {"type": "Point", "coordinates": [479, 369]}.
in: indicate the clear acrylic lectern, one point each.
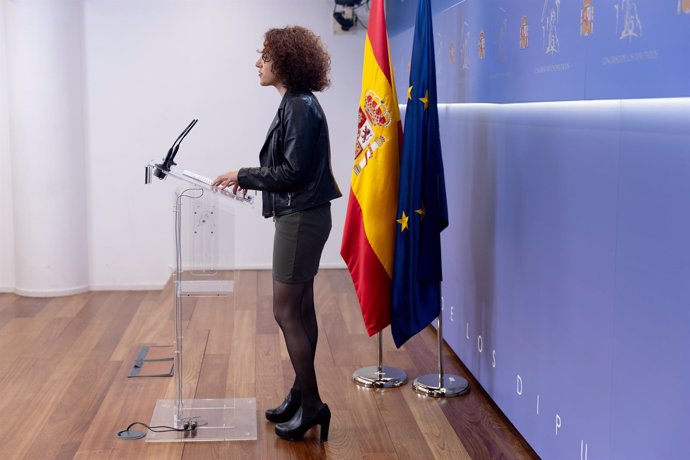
{"type": "Point", "coordinates": [197, 275]}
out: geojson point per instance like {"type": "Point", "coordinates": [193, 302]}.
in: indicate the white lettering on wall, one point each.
{"type": "Point", "coordinates": [583, 450]}
{"type": "Point", "coordinates": [558, 423]}
{"type": "Point", "coordinates": [493, 358]}
{"type": "Point", "coordinates": [467, 331]}
{"type": "Point", "coordinates": [480, 344]}
{"type": "Point", "coordinates": [537, 404]}
{"type": "Point", "coordinates": [519, 385]}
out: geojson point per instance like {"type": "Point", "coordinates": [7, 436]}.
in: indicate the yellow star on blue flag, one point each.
{"type": "Point", "coordinates": [421, 212]}
{"type": "Point", "coordinates": [425, 99]}
{"type": "Point", "coordinates": [403, 221]}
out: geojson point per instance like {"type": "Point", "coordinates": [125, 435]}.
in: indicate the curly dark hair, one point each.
{"type": "Point", "coordinates": [299, 57]}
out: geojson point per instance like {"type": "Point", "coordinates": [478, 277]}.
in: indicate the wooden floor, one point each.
{"type": "Point", "coordinates": [64, 390]}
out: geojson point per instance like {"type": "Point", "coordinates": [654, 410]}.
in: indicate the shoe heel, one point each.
{"type": "Point", "coordinates": [325, 424]}
{"type": "Point", "coordinates": [324, 431]}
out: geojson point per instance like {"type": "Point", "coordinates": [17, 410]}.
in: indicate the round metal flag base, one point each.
{"type": "Point", "coordinates": [370, 377]}
{"type": "Point", "coordinates": [453, 385]}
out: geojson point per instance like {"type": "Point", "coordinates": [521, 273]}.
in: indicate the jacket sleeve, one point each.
{"type": "Point", "coordinates": [301, 130]}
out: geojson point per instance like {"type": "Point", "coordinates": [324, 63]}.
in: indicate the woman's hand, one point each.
{"type": "Point", "coordinates": [228, 179]}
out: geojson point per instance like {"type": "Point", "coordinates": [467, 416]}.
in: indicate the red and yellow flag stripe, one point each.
{"type": "Point", "coordinates": [369, 239]}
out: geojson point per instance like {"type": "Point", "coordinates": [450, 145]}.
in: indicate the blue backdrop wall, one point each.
{"type": "Point", "coordinates": [566, 262]}
{"type": "Point", "coordinates": [550, 50]}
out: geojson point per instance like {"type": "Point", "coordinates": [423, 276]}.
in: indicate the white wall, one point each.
{"type": "Point", "coordinates": [45, 81]}
{"type": "Point", "coordinates": [6, 225]}
{"type": "Point", "coordinates": [152, 66]}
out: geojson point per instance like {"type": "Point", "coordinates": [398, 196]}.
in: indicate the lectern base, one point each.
{"type": "Point", "coordinates": [217, 420]}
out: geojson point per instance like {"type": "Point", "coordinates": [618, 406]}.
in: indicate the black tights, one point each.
{"type": "Point", "coordinates": [293, 308]}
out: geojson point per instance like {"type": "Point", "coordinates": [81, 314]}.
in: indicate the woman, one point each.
{"type": "Point", "coordinates": [297, 186]}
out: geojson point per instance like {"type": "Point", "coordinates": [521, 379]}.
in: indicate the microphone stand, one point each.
{"type": "Point", "coordinates": [169, 161]}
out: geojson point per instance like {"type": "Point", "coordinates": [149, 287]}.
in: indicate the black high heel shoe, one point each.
{"type": "Point", "coordinates": [294, 429]}
{"type": "Point", "coordinates": [287, 409]}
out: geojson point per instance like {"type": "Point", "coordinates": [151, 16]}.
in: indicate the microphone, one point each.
{"type": "Point", "coordinates": [169, 160]}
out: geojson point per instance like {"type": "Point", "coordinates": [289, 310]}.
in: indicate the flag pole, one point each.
{"type": "Point", "coordinates": [379, 376]}
{"type": "Point", "coordinates": [441, 385]}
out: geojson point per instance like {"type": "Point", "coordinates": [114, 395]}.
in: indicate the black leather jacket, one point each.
{"type": "Point", "coordinates": [295, 172]}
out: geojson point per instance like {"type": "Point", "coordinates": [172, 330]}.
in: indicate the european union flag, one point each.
{"type": "Point", "coordinates": [422, 210]}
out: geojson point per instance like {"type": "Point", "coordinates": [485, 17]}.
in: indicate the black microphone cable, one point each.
{"type": "Point", "coordinates": [188, 426]}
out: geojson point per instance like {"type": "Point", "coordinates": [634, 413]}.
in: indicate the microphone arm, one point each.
{"type": "Point", "coordinates": [169, 160]}
{"type": "Point", "coordinates": [176, 145]}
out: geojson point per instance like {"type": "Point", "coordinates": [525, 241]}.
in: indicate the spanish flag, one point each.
{"type": "Point", "coordinates": [370, 224]}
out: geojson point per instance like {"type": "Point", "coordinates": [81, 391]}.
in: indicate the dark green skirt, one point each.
{"type": "Point", "coordinates": [298, 243]}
